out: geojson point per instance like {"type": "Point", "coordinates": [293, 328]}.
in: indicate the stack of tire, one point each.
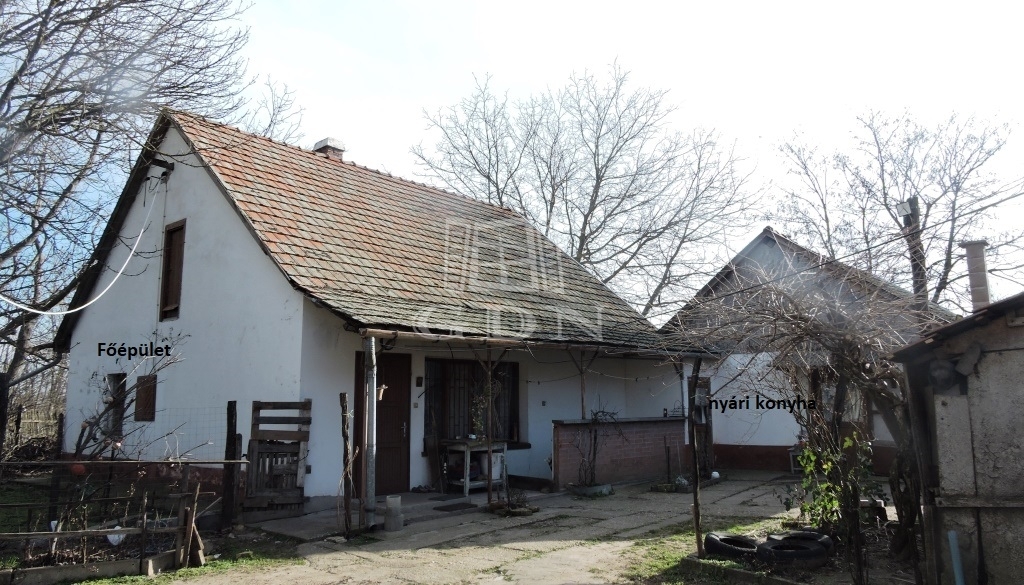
{"type": "Point", "coordinates": [798, 549]}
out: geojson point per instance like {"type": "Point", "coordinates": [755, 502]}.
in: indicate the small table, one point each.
{"type": "Point", "coordinates": [467, 448]}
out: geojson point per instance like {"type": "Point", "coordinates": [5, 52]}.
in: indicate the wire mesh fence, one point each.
{"type": "Point", "coordinates": [180, 434]}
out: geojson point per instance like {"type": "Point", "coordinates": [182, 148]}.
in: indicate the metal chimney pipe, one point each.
{"type": "Point", "coordinates": [977, 273]}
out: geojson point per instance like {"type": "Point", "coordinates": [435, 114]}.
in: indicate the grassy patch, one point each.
{"type": "Point", "coordinates": [655, 558]}
{"type": "Point", "coordinates": [259, 552]}
{"type": "Point", "coordinates": [500, 572]}
{"type": "Point", "coordinates": [361, 539]}
{"type": "Point", "coordinates": [8, 560]}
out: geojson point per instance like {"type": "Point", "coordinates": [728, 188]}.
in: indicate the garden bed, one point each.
{"type": "Point", "coordinates": [65, 526]}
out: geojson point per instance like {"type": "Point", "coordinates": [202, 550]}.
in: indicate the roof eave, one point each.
{"type": "Point", "coordinates": [977, 319]}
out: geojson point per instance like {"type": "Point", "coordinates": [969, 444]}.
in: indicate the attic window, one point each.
{"type": "Point", "coordinates": [170, 282]}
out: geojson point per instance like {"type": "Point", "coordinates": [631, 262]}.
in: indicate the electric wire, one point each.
{"type": "Point", "coordinates": [838, 260]}
{"type": "Point", "coordinates": [131, 254]}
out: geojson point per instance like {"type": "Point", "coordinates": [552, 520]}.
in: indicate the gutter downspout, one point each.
{"type": "Point", "coordinates": [370, 377]}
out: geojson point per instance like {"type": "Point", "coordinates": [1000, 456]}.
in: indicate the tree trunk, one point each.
{"type": "Point", "coordinates": [5, 396]}
{"type": "Point", "coordinates": [696, 465]}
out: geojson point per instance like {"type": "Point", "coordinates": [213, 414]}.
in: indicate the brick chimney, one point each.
{"type": "Point", "coordinates": [977, 273]}
{"type": "Point", "coordinates": [332, 147]}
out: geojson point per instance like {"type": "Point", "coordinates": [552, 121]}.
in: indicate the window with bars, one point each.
{"type": "Point", "coordinates": [455, 398]}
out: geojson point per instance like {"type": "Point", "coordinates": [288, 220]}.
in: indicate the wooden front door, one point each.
{"type": "Point", "coordinates": [394, 370]}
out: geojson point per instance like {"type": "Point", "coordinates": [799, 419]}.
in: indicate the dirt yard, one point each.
{"type": "Point", "coordinates": [633, 536]}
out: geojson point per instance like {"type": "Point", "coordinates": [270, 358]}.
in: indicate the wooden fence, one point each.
{"type": "Point", "coordinates": [77, 496]}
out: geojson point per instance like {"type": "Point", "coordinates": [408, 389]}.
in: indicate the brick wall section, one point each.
{"type": "Point", "coordinates": [639, 454]}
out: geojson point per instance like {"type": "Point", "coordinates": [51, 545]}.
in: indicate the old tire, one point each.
{"type": "Point", "coordinates": [805, 535]}
{"type": "Point", "coordinates": [732, 546]}
{"type": "Point", "coordinates": [804, 554]}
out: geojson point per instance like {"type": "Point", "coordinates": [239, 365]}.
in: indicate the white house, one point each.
{"type": "Point", "coordinates": [755, 431]}
{"type": "Point", "coordinates": [262, 268]}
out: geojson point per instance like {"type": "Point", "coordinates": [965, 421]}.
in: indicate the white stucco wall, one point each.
{"type": "Point", "coordinates": [549, 389]}
{"type": "Point", "coordinates": [652, 386]}
{"type": "Point", "coordinates": [740, 376]}
{"type": "Point", "coordinates": [241, 319]}
{"type": "Point", "coordinates": [328, 359]}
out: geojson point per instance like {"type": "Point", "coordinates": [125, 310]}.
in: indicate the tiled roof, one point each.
{"type": "Point", "coordinates": [844, 271]}
{"type": "Point", "coordinates": [816, 262]}
{"type": "Point", "coordinates": [386, 252]}
{"type": "Point", "coordinates": [1011, 307]}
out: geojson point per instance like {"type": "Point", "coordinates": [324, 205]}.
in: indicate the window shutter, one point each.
{"type": "Point", "coordinates": [174, 259]}
{"type": "Point", "coordinates": [145, 398]}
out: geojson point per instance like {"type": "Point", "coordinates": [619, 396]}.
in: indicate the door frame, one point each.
{"type": "Point", "coordinates": [359, 426]}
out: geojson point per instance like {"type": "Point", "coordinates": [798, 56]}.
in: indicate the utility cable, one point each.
{"type": "Point", "coordinates": [856, 253]}
{"type": "Point", "coordinates": [131, 254]}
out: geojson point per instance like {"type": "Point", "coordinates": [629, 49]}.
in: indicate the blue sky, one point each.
{"type": "Point", "coordinates": [755, 71]}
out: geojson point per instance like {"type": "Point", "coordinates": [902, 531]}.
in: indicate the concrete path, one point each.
{"type": "Point", "coordinates": [570, 540]}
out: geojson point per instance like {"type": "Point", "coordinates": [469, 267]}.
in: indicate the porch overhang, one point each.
{"type": "Point", "coordinates": [663, 353]}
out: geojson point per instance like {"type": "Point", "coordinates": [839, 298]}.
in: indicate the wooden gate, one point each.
{"type": "Point", "coordinates": [278, 445]}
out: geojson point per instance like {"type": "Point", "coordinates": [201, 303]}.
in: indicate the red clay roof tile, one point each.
{"type": "Point", "coordinates": [393, 253]}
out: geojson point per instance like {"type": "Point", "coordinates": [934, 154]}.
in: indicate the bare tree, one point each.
{"type": "Point", "coordinates": [900, 200]}
{"type": "Point", "coordinates": [596, 168]}
{"type": "Point", "coordinates": [105, 431]}
{"type": "Point", "coordinates": [81, 83]}
{"type": "Point", "coordinates": [808, 329]}
{"type": "Point", "coordinates": [275, 114]}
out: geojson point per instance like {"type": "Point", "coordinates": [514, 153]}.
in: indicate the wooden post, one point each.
{"type": "Point", "coordinates": [60, 434]}
{"type": "Point", "coordinates": [253, 470]}
{"type": "Point", "coordinates": [346, 462]}
{"type": "Point", "coordinates": [488, 364]}
{"type": "Point", "coordinates": [17, 426]}
{"type": "Point", "coordinates": [179, 536]}
{"type": "Point", "coordinates": [696, 465]}
{"type": "Point", "coordinates": [58, 470]}
{"type": "Point", "coordinates": [142, 539]}
{"type": "Point", "coordinates": [668, 460]}
{"type": "Point", "coordinates": [5, 400]}
{"type": "Point", "coordinates": [190, 526]}
{"type": "Point", "coordinates": [229, 487]}
{"type": "Point", "coordinates": [305, 412]}
{"type": "Point", "coordinates": [55, 477]}
{"type": "Point", "coordinates": [583, 386]}
{"type": "Point", "coordinates": [489, 395]}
